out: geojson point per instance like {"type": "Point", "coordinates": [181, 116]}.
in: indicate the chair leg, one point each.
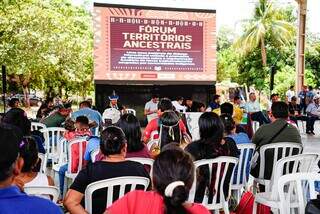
{"type": "Point", "coordinates": [226, 207]}
{"type": "Point", "coordinates": [254, 209]}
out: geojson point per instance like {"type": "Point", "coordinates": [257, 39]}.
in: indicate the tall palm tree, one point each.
{"type": "Point", "coordinates": [267, 21]}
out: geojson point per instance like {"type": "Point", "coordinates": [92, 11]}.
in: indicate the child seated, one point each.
{"type": "Point", "coordinates": [80, 129]}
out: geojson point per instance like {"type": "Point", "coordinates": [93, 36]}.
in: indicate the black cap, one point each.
{"type": "Point", "coordinates": [10, 138]}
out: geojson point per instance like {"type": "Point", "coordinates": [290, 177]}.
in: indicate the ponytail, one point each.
{"type": "Point", "coordinates": [175, 195]}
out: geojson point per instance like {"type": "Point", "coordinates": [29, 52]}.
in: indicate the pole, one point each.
{"type": "Point", "coordinates": [301, 40]}
{"type": "Point", "coordinates": [4, 87]}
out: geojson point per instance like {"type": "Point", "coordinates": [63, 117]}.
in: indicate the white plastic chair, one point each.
{"type": "Point", "coordinates": [37, 126]}
{"type": "Point", "coordinates": [288, 150]}
{"type": "Point", "coordinates": [151, 143]}
{"type": "Point", "coordinates": [284, 166]}
{"type": "Point", "coordinates": [131, 111]}
{"type": "Point", "coordinates": [43, 166]}
{"type": "Point", "coordinates": [52, 136]}
{"type": "Point", "coordinates": [255, 126]}
{"type": "Point", "coordinates": [110, 184]}
{"type": "Point", "coordinates": [295, 190]}
{"type": "Point", "coordinates": [94, 154]}
{"type": "Point", "coordinates": [223, 164]}
{"type": "Point", "coordinates": [78, 141]}
{"type": "Point", "coordinates": [153, 134]}
{"type": "Point", "coordinates": [144, 161]}
{"type": "Point", "coordinates": [43, 191]}
{"type": "Point", "coordinates": [241, 177]}
{"type": "Point", "coordinates": [63, 158]}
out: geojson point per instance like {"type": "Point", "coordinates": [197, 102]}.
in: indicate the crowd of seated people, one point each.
{"type": "Point", "coordinates": [220, 132]}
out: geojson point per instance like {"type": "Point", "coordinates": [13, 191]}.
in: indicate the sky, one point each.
{"type": "Point", "coordinates": [231, 13]}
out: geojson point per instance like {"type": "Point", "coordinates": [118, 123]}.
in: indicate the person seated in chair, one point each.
{"type": "Point", "coordinates": [279, 130]}
{"type": "Point", "coordinates": [253, 108]}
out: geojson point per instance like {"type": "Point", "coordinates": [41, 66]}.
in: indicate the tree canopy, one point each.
{"type": "Point", "coordinates": [47, 45]}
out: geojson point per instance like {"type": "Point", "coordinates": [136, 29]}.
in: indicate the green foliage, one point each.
{"type": "Point", "coordinates": [280, 51]}
{"type": "Point", "coordinates": [47, 44]}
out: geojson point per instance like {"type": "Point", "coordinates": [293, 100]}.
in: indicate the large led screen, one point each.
{"type": "Point", "coordinates": [154, 44]}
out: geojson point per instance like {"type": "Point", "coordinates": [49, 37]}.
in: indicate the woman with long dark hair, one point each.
{"type": "Point", "coordinates": [169, 130]}
{"type": "Point", "coordinates": [212, 144]}
{"type": "Point", "coordinates": [173, 175]}
{"type": "Point", "coordinates": [131, 128]}
{"type": "Point", "coordinates": [113, 146]}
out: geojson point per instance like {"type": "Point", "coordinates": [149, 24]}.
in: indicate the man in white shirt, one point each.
{"type": "Point", "coordinates": [253, 108]}
{"type": "Point", "coordinates": [313, 113]}
{"type": "Point", "coordinates": [151, 108]}
{"type": "Point", "coordinates": [290, 93]}
{"type": "Point", "coordinates": [178, 104]}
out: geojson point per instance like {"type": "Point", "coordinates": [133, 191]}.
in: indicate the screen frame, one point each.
{"type": "Point", "coordinates": [156, 82]}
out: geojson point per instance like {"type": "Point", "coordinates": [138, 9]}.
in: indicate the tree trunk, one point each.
{"type": "Point", "coordinates": [25, 89]}
{"type": "Point", "coordinates": [263, 53]}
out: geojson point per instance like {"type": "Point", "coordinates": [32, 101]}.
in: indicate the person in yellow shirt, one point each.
{"type": "Point", "coordinates": [237, 111]}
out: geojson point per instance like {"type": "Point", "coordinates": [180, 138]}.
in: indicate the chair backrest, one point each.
{"type": "Point", "coordinates": [43, 166]}
{"type": "Point", "coordinates": [79, 142]}
{"type": "Point", "coordinates": [43, 191]}
{"type": "Point", "coordinates": [242, 169]}
{"type": "Point", "coordinates": [221, 166]}
{"type": "Point", "coordinates": [123, 182]}
{"type": "Point", "coordinates": [279, 150]}
{"type": "Point", "coordinates": [94, 154]}
{"type": "Point", "coordinates": [37, 126]}
{"type": "Point", "coordinates": [290, 165]}
{"type": "Point", "coordinates": [131, 111]}
{"type": "Point", "coordinates": [295, 190]}
{"type": "Point", "coordinates": [151, 143]}
{"type": "Point", "coordinates": [52, 136]}
{"type": "Point", "coordinates": [63, 151]}
{"type": "Point", "coordinates": [144, 161]}
{"type": "Point", "coordinates": [153, 134]}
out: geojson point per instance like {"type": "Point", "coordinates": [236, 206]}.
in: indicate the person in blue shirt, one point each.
{"type": "Point", "coordinates": [92, 115]}
{"type": "Point", "coordinates": [12, 199]}
{"type": "Point", "coordinates": [216, 102]}
{"type": "Point", "coordinates": [93, 145]}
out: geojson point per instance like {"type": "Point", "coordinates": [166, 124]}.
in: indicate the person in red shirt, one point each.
{"type": "Point", "coordinates": [173, 175]}
{"type": "Point", "coordinates": [165, 104]}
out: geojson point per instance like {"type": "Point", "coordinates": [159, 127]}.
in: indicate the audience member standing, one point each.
{"type": "Point", "coordinates": [290, 93]}
{"type": "Point", "coordinates": [12, 199]}
{"type": "Point", "coordinates": [151, 108]}
{"type": "Point", "coordinates": [310, 95]}
{"type": "Point", "coordinates": [253, 108]}
{"type": "Point", "coordinates": [303, 99]}
{"type": "Point", "coordinates": [313, 113]}
{"type": "Point", "coordinates": [277, 131]}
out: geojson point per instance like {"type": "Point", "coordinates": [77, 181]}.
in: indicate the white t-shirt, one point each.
{"type": "Point", "coordinates": [290, 94]}
{"type": "Point", "coordinates": [151, 106]}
